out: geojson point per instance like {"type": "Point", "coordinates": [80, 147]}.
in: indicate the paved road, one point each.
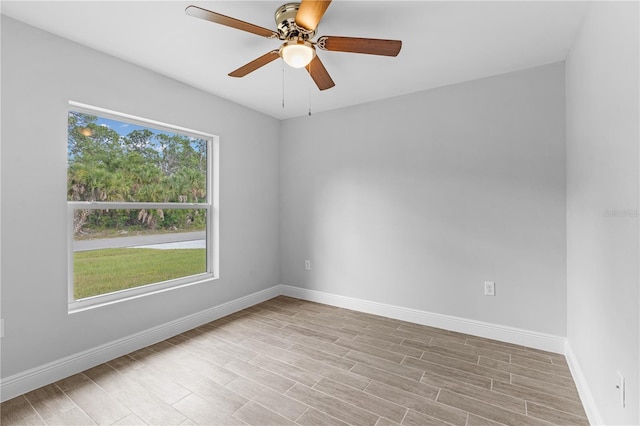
{"type": "Point", "coordinates": [144, 240]}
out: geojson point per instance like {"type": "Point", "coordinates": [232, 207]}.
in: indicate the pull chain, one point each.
{"type": "Point", "coordinates": [309, 90]}
{"type": "Point", "coordinates": [282, 84]}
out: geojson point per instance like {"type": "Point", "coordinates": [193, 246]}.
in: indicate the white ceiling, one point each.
{"type": "Point", "coordinates": [444, 42]}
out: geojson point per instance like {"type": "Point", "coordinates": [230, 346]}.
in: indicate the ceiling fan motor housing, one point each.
{"type": "Point", "coordinates": [286, 23]}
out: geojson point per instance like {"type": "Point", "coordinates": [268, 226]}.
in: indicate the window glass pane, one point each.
{"type": "Point", "coordinates": [118, 249]}
{"type": "Point", "coordinates": [111, 160]}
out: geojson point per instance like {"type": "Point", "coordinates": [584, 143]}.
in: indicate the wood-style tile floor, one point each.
{"type": "Point", "coordinates": [287, 361]}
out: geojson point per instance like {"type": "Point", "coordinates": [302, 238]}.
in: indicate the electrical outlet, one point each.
{"type": "Point", "coordinates": [621, 388]}
{"type": "Point", "coordinates": [307, 265]}
{"type": "Point", "coordinates": [489, 288]}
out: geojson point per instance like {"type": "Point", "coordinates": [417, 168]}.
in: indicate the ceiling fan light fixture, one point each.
{"type": "Point", "coordinates": [297, 53]}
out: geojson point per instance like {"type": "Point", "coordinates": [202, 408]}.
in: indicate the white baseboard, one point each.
{"type": "Point", "coordinates": [34, 378]}
{"type": "Point", "coordinates": [532, 339]}
{"type": "Point", "coordinates": [588, 402]}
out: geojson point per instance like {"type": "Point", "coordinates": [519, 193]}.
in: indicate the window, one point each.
{"type": "Point", "coordinates": [142, 206]}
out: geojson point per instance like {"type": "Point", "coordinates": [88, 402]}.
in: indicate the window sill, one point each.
{"type": "Point", "coordinates": [100, 301]}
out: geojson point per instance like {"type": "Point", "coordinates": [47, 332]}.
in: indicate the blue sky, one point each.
{"type": "Point", "coordinates": [125, 128]}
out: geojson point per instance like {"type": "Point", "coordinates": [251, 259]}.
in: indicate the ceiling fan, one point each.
{"type": "Point", "coordinates": [296, 26]}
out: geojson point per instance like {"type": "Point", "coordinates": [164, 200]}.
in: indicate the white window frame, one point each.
{"type": "Point", "coordinates": [211, 206]}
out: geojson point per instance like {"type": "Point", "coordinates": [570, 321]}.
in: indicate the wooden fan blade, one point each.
{"type": "Point", "coordinates": [370, 46]}
{"type": "Point", "coordinates": [255, 64]}
{"type": "Point", "coordinates": [217, 18]}
{"type": "Point", "coordinates": [310, 13]}
{"type": "Point", "coordinates": [319, 74]}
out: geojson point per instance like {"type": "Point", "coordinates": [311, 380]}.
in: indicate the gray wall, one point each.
{"type": "Point", "coordinates": [40, 74]}
{"type": "Point", "coordinates": [602, 205]}
{"type": "Point", "coordinates": [417, 200]}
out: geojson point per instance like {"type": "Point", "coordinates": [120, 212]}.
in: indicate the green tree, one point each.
{"type": "Point", "coordinates": [142, 166]}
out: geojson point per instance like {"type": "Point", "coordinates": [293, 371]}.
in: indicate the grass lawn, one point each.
{"type": "Point", "coordinates": [104, 271]}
